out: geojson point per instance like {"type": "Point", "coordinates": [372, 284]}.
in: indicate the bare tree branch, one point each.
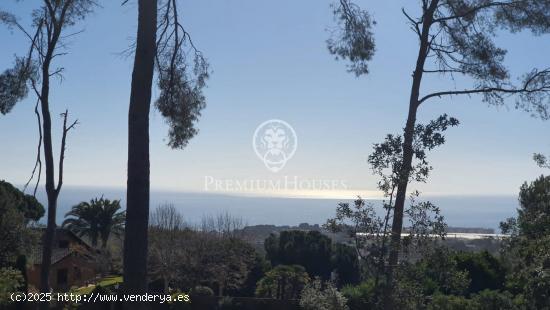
{"type": "Point", "coordinates": [38, 163]}
{"type": "Point", "coordinates": [416, 24]}
{"type": "Point", "coordinates": [66, 129]}
{"type": "Point", "coordinates": [526, 88]}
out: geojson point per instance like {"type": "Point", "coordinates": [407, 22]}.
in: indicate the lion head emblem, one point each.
{"type": "Point", "coordinates": [275, 142]}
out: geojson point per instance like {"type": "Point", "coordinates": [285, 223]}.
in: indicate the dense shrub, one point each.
{"type": "Point", "coordinates": [362, 296]}
{"type": "Point", "coordinates": [494, 300]}
{"type": "Point", "coordinates": [11, 281]}
{"type": "Point", "coordinates": [450, 302]}
{"type": "Point", "coordinates": [485, 300]}
{"type": "Point", "coordinates": [200, 290]}
{"type": "Point", "coordinates": [436, 272]}
{"type": "Point", "coordinates": [315, 297]}
{"type": "Point", "coordinates": [345, 264]}
{"type": "Point", "coordinates": [17, 210]}
{"type": "Point", "coordinates": [316, 253]}
{"type": "Point", "coordinates": [526, 253]}
{"type": "Point", "coordinates": [484, 270]}
{"type": "Point", "coordinates": [295, 247]}
{"type": "Point", "coordinates": [283, 282]}
{"type": "Point", "coordinates": [257, 271]}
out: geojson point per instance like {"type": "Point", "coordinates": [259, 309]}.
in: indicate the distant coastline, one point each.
{"type": "Point", "coordinates": [466, 212]}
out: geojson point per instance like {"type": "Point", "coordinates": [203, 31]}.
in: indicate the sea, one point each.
{"type": "Point", "coordinates": [459, 211]}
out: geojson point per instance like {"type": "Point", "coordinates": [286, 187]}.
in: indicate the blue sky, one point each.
{"type": "Point", "coordinates": [269, 60]}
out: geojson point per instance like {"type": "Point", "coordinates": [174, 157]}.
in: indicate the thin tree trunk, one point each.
{"type": "Point", "coordinates": [137, 196]}
{"type": "Point", "coordinates": [50, 182]}
{"type": "Point", "coordinates": [408, 154]}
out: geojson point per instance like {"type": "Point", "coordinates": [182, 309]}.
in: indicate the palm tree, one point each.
{"type": "Point", "coordinates": [97, 219]}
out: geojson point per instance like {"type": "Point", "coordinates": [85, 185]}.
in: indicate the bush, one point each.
{"type": "Point", "coordinates": [11, 281]}
{"type": "Point", "coordinates": [310, 249]}
{"type": "Point", "coordinates": [494, 300]}
{"type": "Point", "coordinates": [346, 264]}
{"type": "Point", "coordinates": [451, 302]}
{"type": "Point", "coordinates": [362, 296]}
{"type": "Point", "coordinates": [485, 300]}
{"type": "Point", "coordinates": [283, 282]}
{"type": "Point", "coordinates": [200, 290]}
{"type": "Point", "coordinates": [484, 270]}
{"type": "Point", "coordinates": [314, 297]}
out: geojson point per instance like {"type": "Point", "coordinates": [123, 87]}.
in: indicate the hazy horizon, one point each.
{"type": "Point", "coordinates": [288, 75]}
{"type": "Point", "coordinates": [459, 211]}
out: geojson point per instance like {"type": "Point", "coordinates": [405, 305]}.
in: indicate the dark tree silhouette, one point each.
{"type": "Point", "coordinates": [17, 211]}
{"type": "Point", "coordinates": [283, 282]}
{"type": "Point", "coordinates": [97, 220]}
{"type": "Point", "coordinates": [31, 209]}
{"type": "Point", "coordinates": [526, 251]}
{"type": "Point", "coordinates": [311, 249]}
{"type": "Point", "coordinates": [455, 37]}
{"type": "Point", "coordinates": [541, 160]}
{"type": "Point", "coordinates": [50, 23]}
{"type": "Point", "coordinates": [162, 43]}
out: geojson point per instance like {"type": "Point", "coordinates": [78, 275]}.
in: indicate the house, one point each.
{"type": "Point", "coordinates": [74, 262]}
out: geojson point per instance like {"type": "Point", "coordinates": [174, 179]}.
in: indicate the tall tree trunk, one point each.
{"type": "Point", "coordinates": [408, 154]}
{"type": "Point", "coordinates": [137, 196]}
{"type": "Point", "coordinates": [47, 242]}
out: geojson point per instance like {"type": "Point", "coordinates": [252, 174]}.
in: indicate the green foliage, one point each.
{"type": "Point", "coordinates": [311, 249]}
{"type": "Point", "coordinates": [10, 196]}
{"type": "Point", "coordinates": [14, 81]}
{"type": "Point", "coordinates": [369, 232]}
{"type": "Point", "coordinates": [541, 160]}
{"type": "Point", "coordinates": [426, 224]}
{"type": "Point", "coordinates": [283, 282]}
{"type": "Point", "coordinates": [484, 270]}
{"type": "Point", "coordinates": [526, 251]}
{"type": "Point", "coordinates": [494, 300]}
{"type": "Point", "coordinates": [181, 98]}
{"type": "Point", "coordinates": [537, 288]}
{"type": "Point", "coordinates": [386, 159]}
{"type": "Point", "coordinates": [182, 71]}
{"type": "Point", "coordinates": [257, 270]}
{"type": "Point", "coordinates": [434, 273]}
{"type": "Point", "coordinates": [485, 300]}
{"type": "Point", "coordinates": [11, 281]}
{"type": "Point", "coordinates": [450, 302]}
{"type": "Point", "coordinates": [353, 40]}
{"type": "Point", "coordinates": [201, 290]}
{"type": "Point", "coordinates": [97, 219]}
{"type": "Point", "coordinates": [109, 282]}
{"type": "Point", "coordinates": [362, 296]}
{"type": "Point", "coordinates": [316, 297]}
{"type": "Point", "coordinates": [17, 211]}
{"type": "Point", "coordinates": [534, 212]}
{"type": "Point", "coordinates": [12, 234]}
{"type": "Point", "coordinates": [534, 16]}
{"type": "Point", "coordinates": [345, 262]}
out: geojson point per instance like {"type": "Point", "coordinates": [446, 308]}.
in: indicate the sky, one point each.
{"type": "Point", "coordinates": [269, 61]}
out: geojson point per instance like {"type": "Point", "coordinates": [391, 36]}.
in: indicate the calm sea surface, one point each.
{"type": "Point", "coordinates": [463, 211]}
